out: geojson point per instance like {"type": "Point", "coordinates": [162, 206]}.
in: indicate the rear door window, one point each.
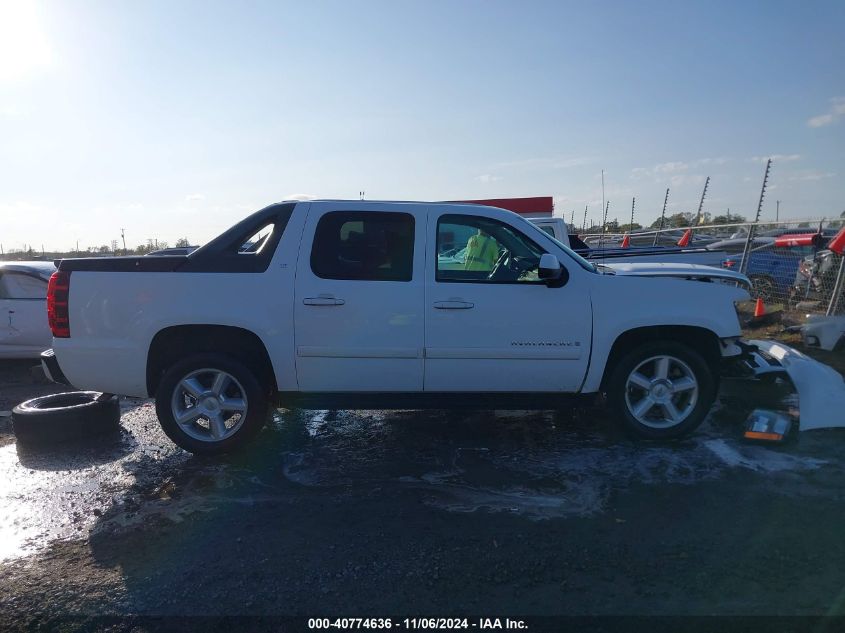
{"type": "Point", "coordinates": [364, 245]}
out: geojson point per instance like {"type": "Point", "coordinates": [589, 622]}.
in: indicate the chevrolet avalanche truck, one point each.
{"type": "Point", "coordinates": [363, 305]}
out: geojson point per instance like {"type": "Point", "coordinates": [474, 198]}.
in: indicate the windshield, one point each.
{"type": "Point", "coordinates": [583, 263]}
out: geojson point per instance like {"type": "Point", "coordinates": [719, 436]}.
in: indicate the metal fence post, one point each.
{"type": "Point", "coordinates": [662, 217]}
{"type": "Point", "coordinates": [837, 289]}
{"type": "Point", "coordinates": [743, 263]}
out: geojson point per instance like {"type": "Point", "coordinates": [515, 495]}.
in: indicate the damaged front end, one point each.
{"type": "Point", "coordinates": [819, 387]}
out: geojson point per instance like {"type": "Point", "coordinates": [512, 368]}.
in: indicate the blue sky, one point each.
{"type": "Point", "coordinates": [174, 119]}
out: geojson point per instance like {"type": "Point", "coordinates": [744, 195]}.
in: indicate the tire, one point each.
{"type": "Point", "coordinates": [62, 417]}
{"type": "Point", "coordinates": [684, 367]}
{"type": "Point", "coordinates": [764, 287]}
{"type": "Point", "coordinates": [190, 389]}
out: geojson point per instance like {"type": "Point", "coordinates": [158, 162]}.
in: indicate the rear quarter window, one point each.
{"type": "Point", "coordinates": [247, 247]}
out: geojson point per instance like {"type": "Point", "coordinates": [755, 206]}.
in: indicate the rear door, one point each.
{"type": "Point", "coordinates": [359, 298]}
{"type": "Point", "coordinates": [491, 324]}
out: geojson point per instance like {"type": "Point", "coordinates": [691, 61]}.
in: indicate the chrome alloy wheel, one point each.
{"type": "Point", "coordinates": [209, 405]}
{"type": "Point", "coordinates": [661, 392]}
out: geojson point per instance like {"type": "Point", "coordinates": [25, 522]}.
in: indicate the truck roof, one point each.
{"type": "Point", "coordinates": [537, 207]}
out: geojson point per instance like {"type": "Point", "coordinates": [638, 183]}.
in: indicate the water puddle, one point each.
{"type": "Point", "coordinates": [537, 465]}
{"type": "Point", "coordinates": [760, 459]}
{"type": "Point", "coordinates": [61, 491]}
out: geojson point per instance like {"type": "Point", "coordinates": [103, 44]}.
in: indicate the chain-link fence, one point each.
{"type": "Point", "coordinates": [788, 263]}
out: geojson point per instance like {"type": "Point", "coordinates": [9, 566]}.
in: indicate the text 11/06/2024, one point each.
{"type": "Point", "coordinates": [416, 623]}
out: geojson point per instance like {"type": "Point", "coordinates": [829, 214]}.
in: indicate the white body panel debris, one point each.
{"type": "Point", "coordinates": [821, 389]}
{"type": "Point", "coordinates": [823, 331]}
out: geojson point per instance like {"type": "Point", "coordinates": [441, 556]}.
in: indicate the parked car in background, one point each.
{"type": "Point", "coordinates": [742, 232]}
{"type": "Point", "coordinates": [737, 245]}
{"type": "Point", "coordinates": [612, 252]}
{"type": "Point", "coordinates": [770, 269]}
{"type": "Point", "coordinates": [816, 277]}
{"type": "Point", "coordinates": [24, 331]}
{"type": "Point", "coordinates": [645, 237]}
{"type": "Point", "coordinates": [773, 262]}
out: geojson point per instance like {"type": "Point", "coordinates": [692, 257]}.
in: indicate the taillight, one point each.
{"type": "Point", "coordinates": [728, 263]}
{"type": "Point", "coordinates": [57, 311]}
{"type": "Point", "coordinates": [804, 269]}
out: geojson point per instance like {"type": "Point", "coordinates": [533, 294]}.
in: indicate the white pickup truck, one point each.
{"type": "Point", "coordinates": [359, 305]}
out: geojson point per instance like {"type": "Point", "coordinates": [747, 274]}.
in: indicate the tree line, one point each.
{"type": "Point", "coordinates": [105, 250]}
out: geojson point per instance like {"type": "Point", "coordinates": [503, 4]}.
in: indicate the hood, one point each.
{"type": "Point", "coordinates": [682, 271]}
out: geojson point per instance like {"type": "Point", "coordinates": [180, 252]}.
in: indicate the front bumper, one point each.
{"type": "Point", "coordinates": [50, 365]}
{"type": "Point", "coordinates": [820, 388]}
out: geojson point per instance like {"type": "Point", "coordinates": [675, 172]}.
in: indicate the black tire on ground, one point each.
{"type": "Point", "coordinates": [617, 388]}
{"type": "Point", "coordinates": [64, 416]}
{"type": "Point", "coordinates": [256, 396]}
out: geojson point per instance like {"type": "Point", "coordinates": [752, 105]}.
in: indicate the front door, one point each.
{"type": "Point", "coordinates": [491, 324]}
{"type": "Point", "coordinates": [359, 299]}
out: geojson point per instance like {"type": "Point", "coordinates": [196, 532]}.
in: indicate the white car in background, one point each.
{"type": "Point", "coordinates": [24, 331]}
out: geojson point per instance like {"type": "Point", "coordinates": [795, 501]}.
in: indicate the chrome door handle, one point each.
{"type": "Point", "coordinates": [323, 301]}
{"type": "Point", "coordinates": [453, 305]}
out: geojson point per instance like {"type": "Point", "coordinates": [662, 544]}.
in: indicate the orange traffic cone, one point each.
{"type": "Point", "coordinates": [626, 240]}
{"type": "Point", "coordinates": [685, 238]}
{"type": "Point", "coordinates": [761, 317]}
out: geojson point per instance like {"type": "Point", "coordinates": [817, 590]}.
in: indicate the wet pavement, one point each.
{"type": "Point", "coordinates": [405, 511]}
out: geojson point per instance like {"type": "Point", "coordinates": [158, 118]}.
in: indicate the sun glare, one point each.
{"type": "Point", "coordinates": [23, 44]}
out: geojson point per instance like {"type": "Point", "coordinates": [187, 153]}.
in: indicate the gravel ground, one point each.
{"type": "Point", "coordinates": [333, 513]}
{"type": "Point", "coordinates": [21, 380]}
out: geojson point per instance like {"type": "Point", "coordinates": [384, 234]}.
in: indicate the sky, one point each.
{"type": "Point", "coordinates": [176, 119]}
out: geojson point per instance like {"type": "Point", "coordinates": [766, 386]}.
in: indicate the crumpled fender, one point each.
{"type": "Point", "coordinates": [821, 389]}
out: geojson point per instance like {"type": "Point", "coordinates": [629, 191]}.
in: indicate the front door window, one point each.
{"type": "Point", "coordinates": [474, 249]}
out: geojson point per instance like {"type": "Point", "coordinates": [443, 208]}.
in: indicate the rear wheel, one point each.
{"type": "Point", "coordinates": [211, 404]}
{"type": "Point", "coordinates": [763, 287]}
{"type": "Point", "coordinates": [662, 390]}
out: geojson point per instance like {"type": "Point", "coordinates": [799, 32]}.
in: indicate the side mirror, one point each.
{"type": "Point", "coordinates": [550, 269]}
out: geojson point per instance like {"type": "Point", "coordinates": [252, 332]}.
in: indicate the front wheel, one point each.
{"type": "Point", "coordinates": [662, 390]}
{"type": "Point", "coordinates": [210, 404]}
